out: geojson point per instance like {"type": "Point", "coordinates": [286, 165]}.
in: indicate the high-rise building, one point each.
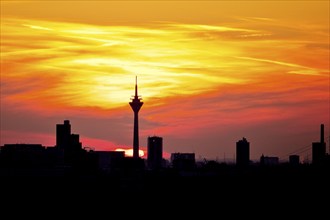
{"type": "Point", "coordinates": [64, 138]}
{"type": "Point", "coordinates": [67, 143]}
{"type": "Point", "coordinates": [242, 152]}
{"type": "Point", "coordinates": [155, 152]}
{"type": "Point", "coordinates": [63, 133]}
{"type": "Point", "coordinates": [319, 148]}
{"type": "Point", "coordinates": [136, 105]}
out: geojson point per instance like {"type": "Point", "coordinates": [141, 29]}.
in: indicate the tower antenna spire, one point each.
{"type": "Point", "coordinates": [136, 87]}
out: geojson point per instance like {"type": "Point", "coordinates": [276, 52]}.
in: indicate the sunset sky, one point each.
{"type": "Point", "coordinates": [209, 73]}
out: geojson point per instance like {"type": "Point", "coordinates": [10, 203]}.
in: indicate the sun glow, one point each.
{"type": "Point", "coordinates": [129, 152]}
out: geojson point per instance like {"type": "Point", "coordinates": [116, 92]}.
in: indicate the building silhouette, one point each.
{"type": "Point", "coordinates": [63, 133]}
{"type": "Point", "coordinates": [242, 152]}
{"type": "Point", "coordinates": [68, 143]}
{"type": "Point", "coordinates": [294, 160]}
{"type": "Point", "coordinates": [269, 160]}
{"type": "Point", "coordinates": [23, 155]}
{"type": "Point", "coordinates": [155, 152]}
{"type": "Point", "coordinates": [183, 161]}
{"type": "Point", "coordinates": [319, 148]}
{"type": "Point", "coordinates": [110, 161]}
{"type": "Point", "coordinates": [136, 105]}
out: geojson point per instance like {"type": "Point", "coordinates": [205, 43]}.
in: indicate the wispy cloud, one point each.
{"type": "Point", "coordinates": [299, 68]}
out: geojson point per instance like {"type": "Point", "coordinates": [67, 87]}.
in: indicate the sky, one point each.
{"type": "Point", "coordinates": [209, 73]}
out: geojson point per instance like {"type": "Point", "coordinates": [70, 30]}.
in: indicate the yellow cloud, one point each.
{"type": "Point", "coordinates": [90, 65]}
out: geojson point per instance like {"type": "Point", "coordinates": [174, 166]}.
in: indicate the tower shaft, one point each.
{"type": "Point", "coordinates": [136, 136]}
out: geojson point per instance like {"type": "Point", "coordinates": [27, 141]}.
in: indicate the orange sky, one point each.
{"type": "Point", "coordinates": [209, 72]}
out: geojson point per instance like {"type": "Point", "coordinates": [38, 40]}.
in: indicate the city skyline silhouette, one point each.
{"type": "Point", "coordinates": [70, 152]}
{"type": "Point", "coordinates": [68, 168]}
{"type": "Point", "coordinates": [234, 120]}
{"type": "Point", "coordinates": [71, 165]}
{"type": "Point", "coordinates": [211, 73]}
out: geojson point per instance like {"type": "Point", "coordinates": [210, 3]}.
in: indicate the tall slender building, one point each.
{"type": "Point", "coordinates": [136, 105]}
{"type": "Point", "coordinates": [68, 143]}
{"type": "Point", "coordinates": [65, 140]}
{"type": "Point", "coordinates": [242, 152]}
{"type": "Point", "coordinates": [155, 152]}
{"type": "Point", "coordinates": [63, 134]}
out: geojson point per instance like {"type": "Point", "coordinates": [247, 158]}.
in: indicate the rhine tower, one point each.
{"type": "Point", "coordinates": [136, 105]}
